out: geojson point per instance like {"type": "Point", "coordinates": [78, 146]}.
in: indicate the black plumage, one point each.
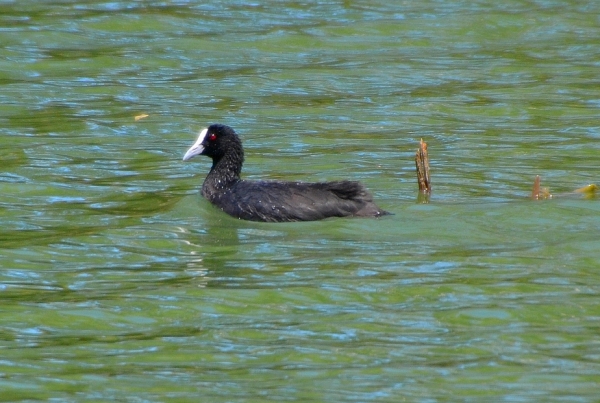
{"type": "Point", "coordinates": [273, 201]}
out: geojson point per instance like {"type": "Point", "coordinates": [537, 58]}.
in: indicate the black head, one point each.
{"type": "Point", "coordinates": [214, 142]}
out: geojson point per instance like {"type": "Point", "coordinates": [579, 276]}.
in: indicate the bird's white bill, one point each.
{"type": "Point", "coordinates": [197, 148]}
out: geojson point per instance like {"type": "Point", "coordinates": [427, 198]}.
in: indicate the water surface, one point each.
{"type": "Point", "coordinates": [119, 282]}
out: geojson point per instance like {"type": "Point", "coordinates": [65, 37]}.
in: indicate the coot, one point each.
{"type": "Point", "coordinates": [273, 201]}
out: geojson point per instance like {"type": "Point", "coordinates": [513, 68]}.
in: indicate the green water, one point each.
{"type": "Point", "coordinates": [118, 282]}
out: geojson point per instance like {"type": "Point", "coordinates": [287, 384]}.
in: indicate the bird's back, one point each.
{"type": "Point", "coordinates": [296, 201]}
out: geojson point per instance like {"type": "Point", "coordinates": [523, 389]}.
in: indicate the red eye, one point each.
{"type": "Point", "coordinates": [212, 137]}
